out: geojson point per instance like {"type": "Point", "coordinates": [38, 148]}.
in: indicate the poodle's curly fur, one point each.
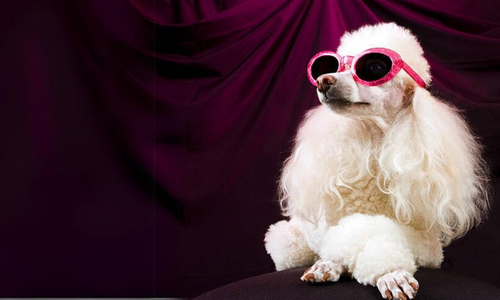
{"type": "Point", "coordinates": [382, 187]}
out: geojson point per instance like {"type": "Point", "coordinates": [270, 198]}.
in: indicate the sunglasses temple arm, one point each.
{"type": "Point", "coordinates": [414, 75]}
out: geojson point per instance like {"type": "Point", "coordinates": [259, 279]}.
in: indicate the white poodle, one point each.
{"type": "Point", "coordinates": [382, 175]}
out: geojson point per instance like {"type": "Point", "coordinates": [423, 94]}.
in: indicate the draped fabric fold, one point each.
{"type": "Point", "coordinates": [142, 140]}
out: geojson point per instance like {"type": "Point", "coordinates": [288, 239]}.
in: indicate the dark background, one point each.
{"type": "Point", "coordinates": [141, 141]}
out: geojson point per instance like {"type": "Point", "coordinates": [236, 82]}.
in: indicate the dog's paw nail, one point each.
{"type": "Point", "coordinates": [305, 272]}
{"type": "Point", "coordinates": [309, 277]}
{"type": "Point", "coordinates": [401, 296]}
{"type": "Point", "coordinates": [415, 288]}
{"type": "Point", "coordinates": [388, 294]}
{"type": "Point", "coordinates": [326, 276]}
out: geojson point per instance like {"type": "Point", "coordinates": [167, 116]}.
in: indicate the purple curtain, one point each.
{"type": "Point", "coordinates": [141, 141]}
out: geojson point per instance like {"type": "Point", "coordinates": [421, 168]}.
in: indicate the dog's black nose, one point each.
{"type": "Point", "coordinates": [324, 82]}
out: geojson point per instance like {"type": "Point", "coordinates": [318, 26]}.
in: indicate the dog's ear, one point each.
{"type": "Point", "coordinates": [432, 169]}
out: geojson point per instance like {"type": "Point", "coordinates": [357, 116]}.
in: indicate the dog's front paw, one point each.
{"type": "Point", "coordinates": [324, 270]}
{"type": "Point", "coordinates": [398, 285]}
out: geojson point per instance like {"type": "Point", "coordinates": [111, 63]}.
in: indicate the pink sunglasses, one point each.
{"type": "Point", "coordinates": [371, 67]}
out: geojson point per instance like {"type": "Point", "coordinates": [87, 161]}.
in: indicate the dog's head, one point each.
{"type": "Point", "coordinates": [347, 96]}
{"type": "Point", "coordinates": [425, 158]}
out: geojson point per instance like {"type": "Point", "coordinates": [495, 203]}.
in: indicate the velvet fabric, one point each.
{"type": "Point", "coordinates": [434, 285]}
{"type": "Point", "coordinates": [142, 140]}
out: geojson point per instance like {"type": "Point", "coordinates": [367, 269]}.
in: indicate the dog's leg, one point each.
{"type": "Point", "coordinates": [371, 247]}
{"type": "Point", "coordinates": [387, 262]}
{"type": "Point", "coordinates": [400, 284]}
{"type": "Point", "coordinates": [286, 244]}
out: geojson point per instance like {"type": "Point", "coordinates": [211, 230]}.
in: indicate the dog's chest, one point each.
{"type": "Point", "coordinates": [364, 197]}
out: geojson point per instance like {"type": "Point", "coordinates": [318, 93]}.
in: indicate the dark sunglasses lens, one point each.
{"type": "Point", "coordinates": [324, 65]}
{"type": "Point", "coordinates": [373, 66]}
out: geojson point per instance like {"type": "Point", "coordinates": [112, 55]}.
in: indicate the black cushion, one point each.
{"type": "Point", "coordinates": [434, 284]}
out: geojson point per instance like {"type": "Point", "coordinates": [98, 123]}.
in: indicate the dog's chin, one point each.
{"type": "Point", "coordinates": [336, 101]}
{"type": "Point", "coordinates": [340, 104]}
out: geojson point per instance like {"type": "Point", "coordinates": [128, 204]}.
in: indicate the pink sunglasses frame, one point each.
{"type": "Point", "coordinates": [397, 65]}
